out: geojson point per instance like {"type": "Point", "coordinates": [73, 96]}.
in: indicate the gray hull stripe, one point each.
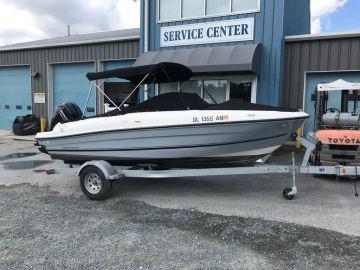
{"type": "Point", "coordinates": [163, 148]}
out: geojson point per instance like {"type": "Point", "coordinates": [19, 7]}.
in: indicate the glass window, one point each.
{"type": "Point", "coordinates": [168, 87]}
{"type": "Point", "coordinates": [244, 5]}
{"type": "Point", "coordinates": [169, 10]}
{"type": "Point", "coordinates": [240, 90]}
{"type": "Point", "coordinates": [215, 91]}
{"type": "Point", "coordinates": [214, 7]}
{"type": "Point", "coordinates": [192, 87]}
{"type": "Point", "coordinates": [192, 8]}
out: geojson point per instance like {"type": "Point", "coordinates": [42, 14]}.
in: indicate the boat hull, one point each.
{"type": "Point", "coordinates": [200, 145]}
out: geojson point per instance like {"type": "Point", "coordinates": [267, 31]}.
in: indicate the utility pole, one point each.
{"type": "Point", "coordinates": [68, 30]}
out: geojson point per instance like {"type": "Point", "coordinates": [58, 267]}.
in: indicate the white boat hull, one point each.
{"type": "Point", "coordinates": [212, 137]}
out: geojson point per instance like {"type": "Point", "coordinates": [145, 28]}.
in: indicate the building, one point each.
{"type": "Point", "coordinates": [235, 48]}
{"type": "Point", "coordinates": [314, 59]}
{"type": "Point", "coordinates": [256, 50]}
{"type": "Point", "coordinates": [35, 77]}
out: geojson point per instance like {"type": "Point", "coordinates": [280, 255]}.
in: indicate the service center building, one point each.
{"type": "Point", "coordinates": [234, 47]}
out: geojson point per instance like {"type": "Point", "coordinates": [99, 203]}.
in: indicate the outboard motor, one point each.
{"type": "Point", "coordinates": [337, 119]}
{"type": "Point", "coordinates": [65, 113]}
{"type": "Point", "coordinates": [26, 125]}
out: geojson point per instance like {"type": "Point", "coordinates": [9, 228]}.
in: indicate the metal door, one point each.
{"type": "Point", "coordinates": [15, 94]}
{"type": "Point", "coordinates": [71, 85]}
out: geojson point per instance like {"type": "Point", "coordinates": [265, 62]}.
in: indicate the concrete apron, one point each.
{"type": "Point", "coordinates": [8, 134]}
{"type": "Point", "coordinates": [4, 132]}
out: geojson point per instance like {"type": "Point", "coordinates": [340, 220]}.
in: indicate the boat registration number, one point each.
{"type": "Point", "coordinates": [206, 119]}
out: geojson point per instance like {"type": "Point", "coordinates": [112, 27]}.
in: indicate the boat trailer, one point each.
{"type": "Point", "coordinates": [97, 177]}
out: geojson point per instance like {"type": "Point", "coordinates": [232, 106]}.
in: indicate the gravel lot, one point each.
{"type": "Point", "coordinates": [41, 229]}
{"type": "Point", "coordinates": [212, 223]}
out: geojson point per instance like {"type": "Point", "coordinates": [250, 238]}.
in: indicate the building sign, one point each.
{"type": "Point", "coordinates": [39, 98]}
{"type": "Point", "coordinates": [210, 32]}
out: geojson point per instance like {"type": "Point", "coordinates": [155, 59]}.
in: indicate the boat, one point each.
{"type": "Point", "coordinates": [173, 129]}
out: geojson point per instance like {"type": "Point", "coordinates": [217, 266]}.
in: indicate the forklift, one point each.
{"type": "Point", "coordinates": [337, 129]}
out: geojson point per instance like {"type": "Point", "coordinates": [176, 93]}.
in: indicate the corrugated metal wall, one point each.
{"type": "Point", "coordinates": [39, 58]}
{"type": "Point", "coordinates": [301, 56]}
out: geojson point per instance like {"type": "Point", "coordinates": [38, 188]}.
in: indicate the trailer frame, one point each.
{"type": "Point", "coordinates": [97, 176]}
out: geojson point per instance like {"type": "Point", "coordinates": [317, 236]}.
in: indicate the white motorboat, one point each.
{"type": "Point", "coordinates": [173, 129]}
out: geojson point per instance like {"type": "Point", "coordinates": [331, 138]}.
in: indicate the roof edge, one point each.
{"type": "Point", "coordinates": [322, 36]}
{"type": "Point", "coordinates": [71, 43]}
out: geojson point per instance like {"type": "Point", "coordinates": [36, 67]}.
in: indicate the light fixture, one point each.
{"type": "Point", "coordinates": [35, 75]}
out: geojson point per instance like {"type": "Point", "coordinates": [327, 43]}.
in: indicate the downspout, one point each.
{"type": "Point", "coordinates": [146, 37]}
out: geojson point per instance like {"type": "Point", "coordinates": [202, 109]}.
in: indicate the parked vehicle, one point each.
{"type": "Point", "coordinates": [337, 128]}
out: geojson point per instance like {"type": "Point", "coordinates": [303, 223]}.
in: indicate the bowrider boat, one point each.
{"type": "Point", "coordinates": [173, 129]}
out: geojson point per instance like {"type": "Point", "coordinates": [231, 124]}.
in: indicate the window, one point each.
{"type": "Point", "coordinates": [118, 91]}
{"type": "Point", "coordinates": [168, 87]}
{"type": "Point", "coordinates": [192, 8]}
{"type": "Point", "coordinates": [170, 10]}
{"type": "Point", "coordinates": [194, 87]}
{"type": "Point", "coordinates": [240, 90]}
{"type": "Point", "coordinates": [215, 91]}
{"type": "Point", "coordinates": [244, 5]}
{"type": "Point", "coordinates": [214, 7]}
{"type": "Point", "coordinates": [237, 87]}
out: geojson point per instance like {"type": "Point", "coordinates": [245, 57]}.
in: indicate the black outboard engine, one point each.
{"type": "Point", "coordinates": [26, 125]}
{"type": "Point", "coordinates": [65, 113]}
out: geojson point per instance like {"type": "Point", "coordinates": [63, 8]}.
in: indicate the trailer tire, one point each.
{"type": "Point", "coordinates": [94, 184]}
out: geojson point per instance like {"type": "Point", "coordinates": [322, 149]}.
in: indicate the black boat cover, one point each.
{"type": "Point", "coordinates": [238, 104]}
{"type": "Point", "coordinates": [158, 73]}
{"type": "Point", "coordinates": [176, 101]}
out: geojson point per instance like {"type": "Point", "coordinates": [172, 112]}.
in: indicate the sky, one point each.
{"type": "Point", "coordinates": [26, 20]}
{"type": "Point", "coordinates": [335, 15]}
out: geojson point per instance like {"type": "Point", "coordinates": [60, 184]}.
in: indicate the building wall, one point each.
{"type": "Point", "coordinates": [271, 24]}
{"type": "Point", "coordinates": [316, 55]}
{"type": "Point", "coordinates": [39, 58]}
{"type": "Point", "coordinates": [297, 17]}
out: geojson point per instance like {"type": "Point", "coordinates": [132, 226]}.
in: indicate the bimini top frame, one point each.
{"type": "Point", "coordinates": [164, 72]}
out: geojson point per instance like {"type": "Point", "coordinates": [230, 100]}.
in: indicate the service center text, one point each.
{"type": "Point", "coordinates": [211, 32]}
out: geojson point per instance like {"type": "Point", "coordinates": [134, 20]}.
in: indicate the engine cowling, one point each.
{"type": "Point", "coordinates": [67, 112]}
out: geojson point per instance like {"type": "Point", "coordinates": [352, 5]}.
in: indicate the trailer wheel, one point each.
{"type": "Point", "coordinates": [286, 194]}
{"type": "Point", "coordinates": [94, 184]}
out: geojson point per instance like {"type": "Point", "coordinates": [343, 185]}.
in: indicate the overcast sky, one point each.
{"type": "Point", "coordinates": [25, 20]}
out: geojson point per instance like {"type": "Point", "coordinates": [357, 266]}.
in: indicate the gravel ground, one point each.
{"type": "Point", "coordinates": [42, 229]}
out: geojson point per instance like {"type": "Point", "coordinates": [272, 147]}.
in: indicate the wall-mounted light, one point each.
{"type": "Point", "coordinates": [35, 75]}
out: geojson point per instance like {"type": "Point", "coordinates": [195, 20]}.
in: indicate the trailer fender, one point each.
{"type": "Point", "coordinates": [109, 171]}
